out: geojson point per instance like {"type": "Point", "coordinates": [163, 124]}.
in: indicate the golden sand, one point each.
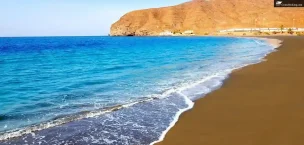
{"type": "Point", "coordinates": [261, 104]}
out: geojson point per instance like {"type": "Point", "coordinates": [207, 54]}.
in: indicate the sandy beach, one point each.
{"type": "Point", "coordinates": [261, 104]}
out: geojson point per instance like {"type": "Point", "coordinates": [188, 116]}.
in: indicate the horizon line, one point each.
{"type": "Point", "coordinates": [53, 36]}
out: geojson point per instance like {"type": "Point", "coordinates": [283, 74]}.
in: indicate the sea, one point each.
{"type": "Point", "coordinates": [110, 90]}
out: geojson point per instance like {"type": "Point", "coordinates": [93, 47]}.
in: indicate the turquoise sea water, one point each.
{"type": "Point", "coordinates": [110, 90]}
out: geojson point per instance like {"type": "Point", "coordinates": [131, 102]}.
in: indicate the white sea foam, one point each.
{"type": "Point", "coordinates": [189, 102]}
{"type": "Point", "coordinates": [190, 105]}
{"type": "Point", "coordinates": [222, 76]}
{"type": "Point", "coordinates": [95, 113]}
{"type": "Point", "coordinates": [185, 90]}
{"type": "Point", "coordinates": [56, 122]}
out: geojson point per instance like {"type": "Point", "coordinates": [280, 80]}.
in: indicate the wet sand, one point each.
{"type": "Point", "coordinates": [261, 104]}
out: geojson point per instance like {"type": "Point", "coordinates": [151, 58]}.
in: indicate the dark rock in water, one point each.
{"type": "Point", "coordinates": [2, 117]}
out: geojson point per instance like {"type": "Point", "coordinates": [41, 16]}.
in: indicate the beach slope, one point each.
{"type": "Point", "coordinates": [261, 104]}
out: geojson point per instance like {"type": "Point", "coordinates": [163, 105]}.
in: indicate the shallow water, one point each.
{"type": "Point", "coordinates": [50, 81]}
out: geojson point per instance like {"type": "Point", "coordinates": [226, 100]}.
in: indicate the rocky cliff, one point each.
{"type": "Point", "coordinates": [206, 16]}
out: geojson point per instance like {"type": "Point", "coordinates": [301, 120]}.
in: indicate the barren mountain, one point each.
{"type": "Point", "coordinates": [206, 16]}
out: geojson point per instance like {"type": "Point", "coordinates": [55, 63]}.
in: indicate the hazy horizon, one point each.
{"type": "Point", "coordinates": [66, 18]}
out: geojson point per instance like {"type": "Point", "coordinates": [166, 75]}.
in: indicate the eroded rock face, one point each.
{"type": "Point", "coordinates": [206, 16]}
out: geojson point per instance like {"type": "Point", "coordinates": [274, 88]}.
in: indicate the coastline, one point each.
{"type": "Point", "coordinates": [257, 104]}
{"type": "Point", "coordinates": [187, 101]}
{"type": "Point", "coordinates": [62, 122]}
{"type": "Point", "coordinates": [274, 42]}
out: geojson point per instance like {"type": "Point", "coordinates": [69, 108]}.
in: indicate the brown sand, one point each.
{"type": "Point", "coordinates": [261, 104]}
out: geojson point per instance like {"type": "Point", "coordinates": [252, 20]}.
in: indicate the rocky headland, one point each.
{"type": "Point", "coordinates": [207, 16]}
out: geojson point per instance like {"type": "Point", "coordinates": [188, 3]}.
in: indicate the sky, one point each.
{"type": "Point", "coordinates": [67, 17]}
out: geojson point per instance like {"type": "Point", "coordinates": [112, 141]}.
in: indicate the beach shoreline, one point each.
{"type": "Point", "coordinates": [256, 105]}
{"type": "Point", "coordinates": [275, 43]}
{"type": "Point", "coordinates": [272, 41]}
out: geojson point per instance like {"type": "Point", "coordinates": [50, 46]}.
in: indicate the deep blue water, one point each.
{"type": "Point", "coordinates": [74, 80]}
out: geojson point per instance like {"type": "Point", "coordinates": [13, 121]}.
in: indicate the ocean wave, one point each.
{"type": "Point", "coordinates": [189, 91]}
{"type": "Point", "coordinates": [182, 90]}
{"type": "Point", "coordinates": [273, 42]}
{"type": "Point", "coordinates": [63, 120]}
{"type": "Point", "coordinates": [59, 120]}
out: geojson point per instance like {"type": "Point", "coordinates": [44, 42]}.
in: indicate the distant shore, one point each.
{"type": "Point", "coordinates": [230, 34]}
{"type": "Point", "coordinates": [260, 104]}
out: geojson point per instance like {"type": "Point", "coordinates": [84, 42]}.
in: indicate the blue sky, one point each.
{"type": "Point", "coordinates": [67, 17]}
